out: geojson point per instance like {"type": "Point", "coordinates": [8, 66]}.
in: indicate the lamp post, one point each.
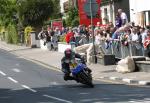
{"type": "Point", "coordinates": [91, 7]}
{"type": "Point", "coordinates": [111, 9]}
{"type": "Point", "coordinates": [93, 41]}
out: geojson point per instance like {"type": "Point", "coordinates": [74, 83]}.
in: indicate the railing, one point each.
{"type": "Point", "coordinates": [120, 50]}
{"type": "Point", "coordinates": [117, 48]}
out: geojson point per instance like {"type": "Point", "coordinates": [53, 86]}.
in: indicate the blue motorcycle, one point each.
{"type": "Point", "coordinates": [82, 75]}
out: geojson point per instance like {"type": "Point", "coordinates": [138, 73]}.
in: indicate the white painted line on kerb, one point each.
{"type": "Point", "coordinates": [126, 80]}
{"type": "Point", "coordinates": [113, 78]}
{"type": "Point", "coordinates": [101, 77]}
{"type": "Point", "coordinates": [62, 100]}
{"type": "Point", "coordinates": [29, 88]}
{"type": "Point", "coordinates": [143, 82]}
{"type": "Point", "coordinates": [13, 80]}
{"type": "Point", "coordinates": [2, 73]}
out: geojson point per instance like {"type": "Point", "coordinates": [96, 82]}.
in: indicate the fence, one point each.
{"type": "Point", "coordinates": [117, 47]}
{"type": "Point", "coordinates": [120, 50]}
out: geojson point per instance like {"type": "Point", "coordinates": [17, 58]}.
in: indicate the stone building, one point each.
{"type": "Point", "coordinates": [109, 9]}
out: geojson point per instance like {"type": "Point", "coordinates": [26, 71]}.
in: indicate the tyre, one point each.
{"type": "Point", "coordinates": [86, 79]}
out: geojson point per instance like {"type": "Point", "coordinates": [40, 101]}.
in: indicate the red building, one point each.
{"type": "Point", "coordinates": [84, 15]}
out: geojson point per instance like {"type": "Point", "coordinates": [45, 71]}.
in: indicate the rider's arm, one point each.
{"type": "Point", "coordinates": [63, 63]}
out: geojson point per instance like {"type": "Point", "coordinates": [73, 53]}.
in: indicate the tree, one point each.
{"type": "Point", "coordinates": [21, 13]}
{"type": "Point", "coordinates": [35, 12]}
{"type": "Point", "coordinates": [73, 18]}
{"type": "Point", "coordinates": [8, 10]}
{"type": "Point", "coordinates": [56, 14]}
{"type": "Point", "coordinates": [8, 20]}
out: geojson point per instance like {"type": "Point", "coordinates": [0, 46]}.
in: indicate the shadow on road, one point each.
{"type": "Point", "coordinates": [77, 93]}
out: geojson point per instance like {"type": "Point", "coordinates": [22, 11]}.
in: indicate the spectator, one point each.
{"type": "Point", "coordinates": [147, 44]}
{"type": "Point", "coordinates": [135, 39]}
{"type": "Point", "coordinates": [54, 38]}
{"type": "Point", "coordinates": [69, 35]}
{"type": "Point", "coordinates": [48, 37]}
{"type": "Point", "coordinates": [84, 36]}
{"type": "Point", "coordinates": [97, 37]}
{"type": "Point", "coordinates": [110, 24]}
{"type": "Point", "coordinates": [45, 38]}
{"type": "Point", "coordinates": [143, 35]}
{"type": "Point", "coordinates": [123, 17]}
{"type": "Point", "coordinates": [87, 34]}
{"type": "Point", "coordinates": [41, 35]}
{"type": "Point", "coordinates": [118, 21]}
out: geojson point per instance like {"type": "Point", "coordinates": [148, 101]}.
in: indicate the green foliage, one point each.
{"type": "Point", "coordinates": [35, 12]}
{"type": "Point", "coordinates": [11, 34]}
{"type": "Point", "coordinates": [75, 22]}
{"type": "Point", "coordinates": [8, 38]}
{"type": "Point", "coordinates": [2, 35]}
{"type": "Point", "coordinates": [56, 11]}
{"type": "Point", "coordinates": [20, 13]}
{"type": "Point", "coordinates": [27, 32]}
{"type": "Point", "coordinates": [64, 23]}
{"type": "Point", "coordinates": [73, 18]}
{"type": "Point", "coordinates": [7, 9]}
{"type": "Point", "coordinates": [62, 38]}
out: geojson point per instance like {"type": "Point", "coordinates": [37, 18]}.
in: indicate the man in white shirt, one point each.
{"type": "Point", "coordinates": [136, 46]}
{"type": "Point", "coordinates": [123, 16]}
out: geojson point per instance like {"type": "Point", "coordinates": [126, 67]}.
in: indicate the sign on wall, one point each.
{"type": "Point", "coordinates": [85, 14]}
{"type": "Point", "coordinates": [57, 24]}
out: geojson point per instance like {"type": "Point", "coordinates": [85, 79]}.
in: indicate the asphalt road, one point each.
{"type": "Point", "coordinates": [23, 81]}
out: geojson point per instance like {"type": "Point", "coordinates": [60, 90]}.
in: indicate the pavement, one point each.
{"type": "Point", "coordinates": [99, 72]}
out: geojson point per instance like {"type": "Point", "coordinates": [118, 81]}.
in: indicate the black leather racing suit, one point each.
{"type": "Point", "coordinates": [65, 64]}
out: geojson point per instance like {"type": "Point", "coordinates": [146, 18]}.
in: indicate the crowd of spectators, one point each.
{"type": "Point", "coordinates": [133, 37]}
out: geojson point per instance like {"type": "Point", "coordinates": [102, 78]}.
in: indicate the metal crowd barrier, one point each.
{"type": "Point", "coordinates": [115, 47]}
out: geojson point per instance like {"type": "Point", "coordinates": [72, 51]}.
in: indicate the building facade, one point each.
{"type": "Point", "coordinates": [62, 5]}
{"type": "Point", "coordinates": [140, 12]}
{"type": "Point", "coordinates": [109, 9]}
{"type": "Point", "coordinates": [66, 3]}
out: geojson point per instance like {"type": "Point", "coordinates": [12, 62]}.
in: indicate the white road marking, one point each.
{"type": "Point", "coordinates": [13, 80]}
{"type": "Point", "coordinates": [139, 101]}
{"type": "Point", "coordinates": [29, 88]}
{"type": "Point", "coordinates": [132, 101]}
{"type": "Point", "coordinates": [2, 73]}
{"type": "Point", "coordinates": [54, 83]}
{"type": "Point", "coordinates": [17, 64]}
{"type": "Point", "coordinates": [16, 70]}
{"type": "Point", "coordinates": [62, 100]}
{"type": "Point", "coordinates": [83, 93]}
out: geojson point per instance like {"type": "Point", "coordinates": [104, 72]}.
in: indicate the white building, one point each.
{"type": "Point", "coordinates": [107, 13]}
{"type": "Point", "coordinates": [140, 12]}
{"type": "Point", "coordinates": [109, 9]}
{"type": "Point", "coordinates": [61, 5]}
